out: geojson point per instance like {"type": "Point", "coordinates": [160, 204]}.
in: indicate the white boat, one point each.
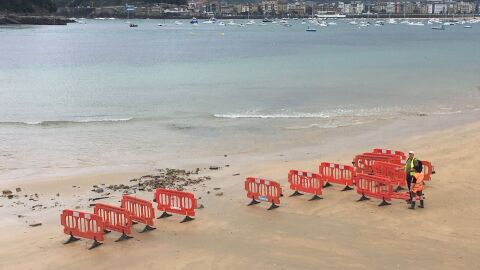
{"type": "Point", "coordinates": [467, 26]}
{"type": "Point", "coordinates": [392, 21]}
{"type": "Point", "coordinates": [194, 21]}
{"type": "Point", "coordinates": [353, 22]}
{"type": "Point", "coordinates": [364, 24]}
{"type": "Point", "coordinates": [310, 29]}
{"type": "Point", "coordinates": [250, 22]}
{"type": "Point", "coordinates": [439, 27]}
{"type": "Point", "coordinates": [178, 22]}
{"type": "Point", "coordinates": [221, 24]}
{"type": "Point", "coordinates": [210, 21]}
{"type": "Point", "coordinates": [331, 16]}
{"type": "Point", "coordinates": [231, 22]}
{"type": "Point", "coordinates": [416, 24]}
{"type": "Point", "coordinates": [332, 23]}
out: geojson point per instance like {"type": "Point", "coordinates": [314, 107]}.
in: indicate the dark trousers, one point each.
{"type": "Point", "coordinates": [409, 181]}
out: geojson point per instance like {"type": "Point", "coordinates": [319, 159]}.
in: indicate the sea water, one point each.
{"type": "Point", "coordinates": [105, 94]}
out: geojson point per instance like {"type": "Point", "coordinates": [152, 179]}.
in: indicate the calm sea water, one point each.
{"type": "Point", "coordinates": [102, 93]}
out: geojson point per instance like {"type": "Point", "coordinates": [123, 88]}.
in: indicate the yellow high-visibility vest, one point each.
{"type": "Point", "coordinates": [412, 166]}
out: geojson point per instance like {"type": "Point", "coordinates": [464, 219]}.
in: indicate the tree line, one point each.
{"type": "Point", "coordinates": [27, 6]}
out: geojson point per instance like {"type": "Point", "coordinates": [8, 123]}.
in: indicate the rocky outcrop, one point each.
{"type": "Point", "coordinates": [33, 20]}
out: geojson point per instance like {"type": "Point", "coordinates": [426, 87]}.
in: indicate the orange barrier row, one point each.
{"type": "Point", "coordinates": [141, 211]}
{"type": "Point", "coordinates": [85, 225]}
{"type": "Point", "coordinates": [338, 174]}
{"type": "Point", "coordinates": [263, 190]}
{"type": "Point", "coordinates": [178, 202]}
{"type": "Point", "coordinates": [115, 219]}
{"type": "Point", "coordinates": [305, 182]}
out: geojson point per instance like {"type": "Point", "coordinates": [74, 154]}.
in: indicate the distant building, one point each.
{"type": "Point", "coordinates": [270, 7]}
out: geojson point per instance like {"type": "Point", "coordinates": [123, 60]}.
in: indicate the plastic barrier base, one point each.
{"type": "Point", "coordinates": [95, 244]}
{"type": "Point", "coordinates": [327, 184]}
{"type": "Point", "coordinates": [296, 193]}
{"type": "Point", "coordinates": [315, 198]}
{"type": "Point", "coordinates": [253, 202]}
{"type": "Point", "coordinates": [187, 219]}
{"type": "Point", "coordinates": [71, 239]}
{"type": "Point", "coordinates": [123, 237]}
{"type": "Point", "coordinates": [347, 188]}
{"type": "Point", "coordinates": [164, 215]}
{"type": "Point", "coordinates": [384, 203]}
{"type": "Point", "coordinates": [363, 198]}
{"type": "Point", "coordinates": [273, 206]}
{"type": "Point", "coordinates": [147, 229]}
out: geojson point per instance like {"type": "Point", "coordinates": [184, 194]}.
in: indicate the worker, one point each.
{"type": "Point", "coordinates": [416, 190]}
{"type": "Point", "coordinates": [410, 166]}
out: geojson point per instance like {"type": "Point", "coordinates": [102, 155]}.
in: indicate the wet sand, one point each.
{"type": "Point", "coordinates": [334, 233]}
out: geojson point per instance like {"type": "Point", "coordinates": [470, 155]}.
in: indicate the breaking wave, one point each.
{"type": "Point", "coordinates": [324, 114]}
{"type": "Point", "coordinates": [68, 122]}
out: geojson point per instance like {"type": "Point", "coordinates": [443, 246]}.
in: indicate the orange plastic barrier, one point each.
{"type": "Point", "coordinates": [428, 170]}
{"type": "Point", "coordinates": [338, 174]}
{"type": "Point", "coordinates": [364, 163]}
{"type": "Point", "coordinates": [374, 186]}
{"type": "Point", "coordinates": [83, 225]}
{"type": "Point", "coordinates": [178, 202]}
{"type": "Point", "coordinates": [263, 190]}
{"type": "Point", "coordinates": [305, 182]}
{"type": "Point", "coordinates": [140, 211]}
{"type": "Point", "coordinates": [394, 172]}
{"type": "Point", "coordinates": [390, 152]}
{"type": "Point", "coordinates": [115, 219]}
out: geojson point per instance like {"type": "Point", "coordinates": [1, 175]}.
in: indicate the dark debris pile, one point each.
{"type": "Point", "coordinates": [165, 178]}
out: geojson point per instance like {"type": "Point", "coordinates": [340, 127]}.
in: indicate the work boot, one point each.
{"type": "Point", "coordinates": [421, 204]}
{"type": "Point", "coordinates": [412, 206]}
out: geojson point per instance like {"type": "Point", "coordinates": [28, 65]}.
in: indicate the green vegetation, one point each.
{"type": "Point", "coordinates": [28, 6]}
{"type": "Point", "coordinates": [100, 3]}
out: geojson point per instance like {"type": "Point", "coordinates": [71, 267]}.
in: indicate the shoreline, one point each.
{"type": "Point", "coordinates": [299, 144]}
{"type": "Point", "coordinates": [226, 231]}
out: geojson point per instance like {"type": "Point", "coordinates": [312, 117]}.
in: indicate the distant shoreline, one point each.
{"type": "Point", "coordinates": [19, 19]}
{"type": "Point", "coordinates": [257, 17]}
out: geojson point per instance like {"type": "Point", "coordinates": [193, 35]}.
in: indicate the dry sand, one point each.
{"type": "Point", "coordinates": [334, 233]}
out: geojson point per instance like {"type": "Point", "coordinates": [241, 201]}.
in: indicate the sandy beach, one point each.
{"type": "Point", "coordinates": [334, 233]}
